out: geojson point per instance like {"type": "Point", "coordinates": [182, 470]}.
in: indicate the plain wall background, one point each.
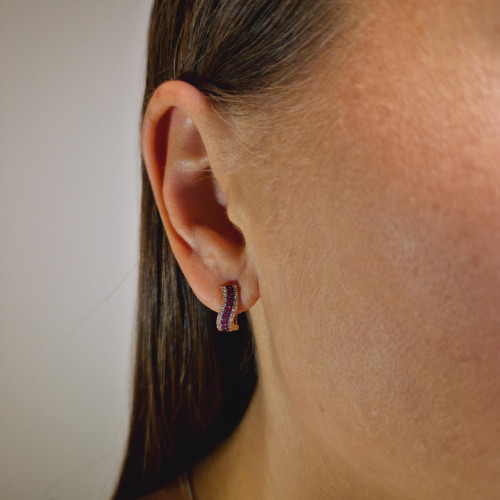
{"type": "Point", "coordinates": [70, 95]}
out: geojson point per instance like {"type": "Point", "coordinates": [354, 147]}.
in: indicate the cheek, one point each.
{"type": "Point", "coordinates": [431, 226]}
{"type": "Point", "coordinates": [430, 287]}
{"type": "Point", "coordinates": [417, 277]}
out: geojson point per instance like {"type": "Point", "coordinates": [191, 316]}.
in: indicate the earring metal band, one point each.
{"type": "Point", "coordinates": [227, 318]}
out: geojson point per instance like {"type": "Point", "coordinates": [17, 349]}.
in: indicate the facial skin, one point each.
{"type": "Point", "coordinates": [370, 262]}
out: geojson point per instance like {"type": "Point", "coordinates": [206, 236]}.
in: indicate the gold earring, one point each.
{"type": "Point", "coordinates": [227, 318]}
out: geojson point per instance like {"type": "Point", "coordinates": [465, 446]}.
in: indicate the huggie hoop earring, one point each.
{"type": "Point", "coordinates": [227, 318]}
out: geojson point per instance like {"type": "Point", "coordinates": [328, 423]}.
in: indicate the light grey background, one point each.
{"type": "Point", "coordinates": [70, 94]}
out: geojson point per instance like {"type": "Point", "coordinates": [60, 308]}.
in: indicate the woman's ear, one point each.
{"type": "Point", "coordinates": [179, 138]}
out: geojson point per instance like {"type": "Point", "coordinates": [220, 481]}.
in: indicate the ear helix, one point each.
{"type": "Point", "coordinates": [227, 318]}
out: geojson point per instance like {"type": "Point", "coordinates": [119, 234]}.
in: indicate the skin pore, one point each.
{"type": "Point", "coordinates": [364, 234]}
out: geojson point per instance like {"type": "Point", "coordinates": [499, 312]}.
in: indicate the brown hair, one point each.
{"type": "Point", "coordinates": [193, 384]}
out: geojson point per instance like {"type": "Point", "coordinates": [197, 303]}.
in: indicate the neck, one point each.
{"type": "Point", "coordinates": [273, 455]}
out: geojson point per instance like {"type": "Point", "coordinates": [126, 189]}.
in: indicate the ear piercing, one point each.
{"type": "Point", "coordinates": [227, 318]}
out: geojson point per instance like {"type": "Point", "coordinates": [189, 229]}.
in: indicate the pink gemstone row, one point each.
{"type": "Point", "coordinates": [228, 309]}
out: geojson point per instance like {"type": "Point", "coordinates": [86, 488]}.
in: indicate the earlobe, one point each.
{"type": "Point", "coordinates": [179, 144]}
